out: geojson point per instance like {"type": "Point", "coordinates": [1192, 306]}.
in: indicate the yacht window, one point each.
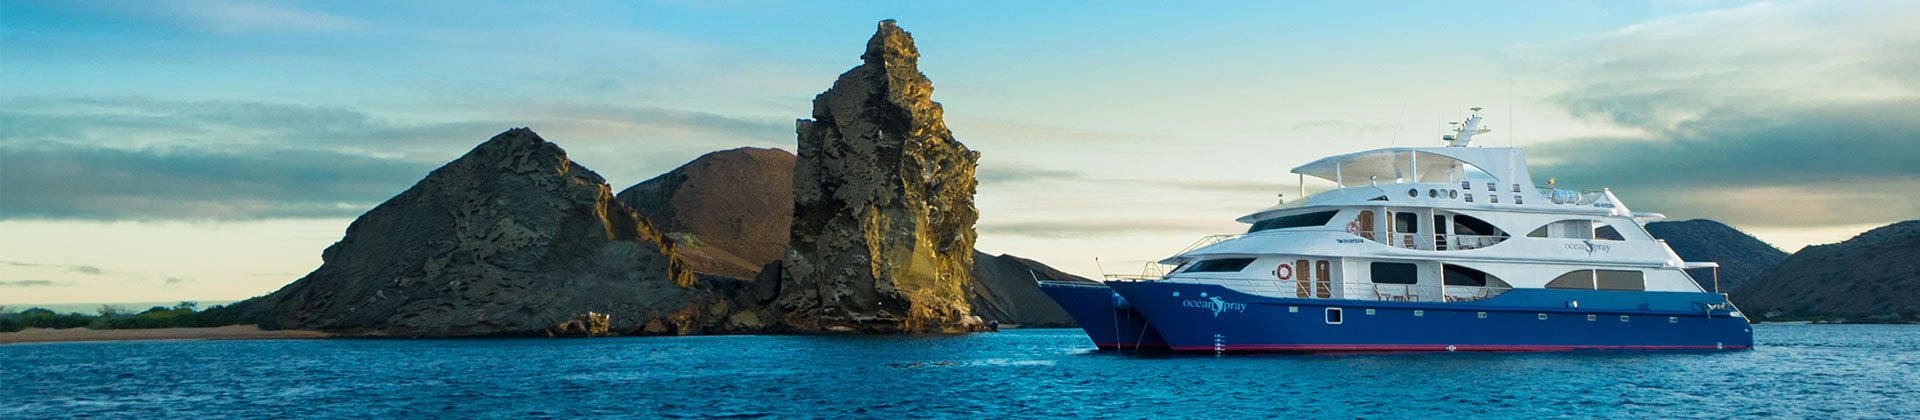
{"type": "Point", "coordinates": [1406, 223]}
{"type": "Point", "coordinates": [1469, 225]}
{"type": "Point", "coordinates": [1620, 280]}
{"type": "Point", "coordinates": [1577, 279]}
{"type": "Point", "coordinates": [1294, 221]}
{"type": "Point", "coordinates": [1604, 231]}
{"type": "Point", "coordinates": [1395, 273]}
{"type": "Point", "coordinates": [1221, 265]}
{"type": "Point", "coordinates": [1462, 276]}
{"type": "Point", "coordinates": [1566, 229]}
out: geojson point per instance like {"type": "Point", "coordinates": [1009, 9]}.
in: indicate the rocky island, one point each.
{"type": "Point", "coordinates": [869, 229]}
{"type": "Point", "coordinates": [883, 204]}
{"type": "Point", "coordinates": [513, 238]}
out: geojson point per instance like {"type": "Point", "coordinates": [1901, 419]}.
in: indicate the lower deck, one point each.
{"type": "Point", "coordinates": [1212, 318]}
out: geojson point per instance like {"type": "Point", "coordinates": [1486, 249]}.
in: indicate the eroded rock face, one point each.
{"type": "Point", "coordinates": [511, 239]}
{"type": "Point", "coordinates": [713, 205]}
{"type": "Point", "coordinates": [882, 237]}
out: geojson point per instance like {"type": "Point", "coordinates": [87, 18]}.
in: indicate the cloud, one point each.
{"type": "Point", "coordinates": [135, 158]}
{"type": "Point", "coordinates": [1083, 228]}
{"type": "Point", "coordinates": [133, 121]}
{"type": "Point", "coordinates": [1344, 127]}
{"type": "Point", "coordinates": [1021, 173]}
{"type": "Point", "coordinates": [82, 269]}
{"type": "Point", "coordinates": [174, 280]}
{"type": "Point", "coordinates": [59, 181]}
{"type": "Point", "coordinates": [264, 18]}
{"type": "Point", "coordinates": [26, 283]}
{"type": "Point", "coordinates": [1769, 114]}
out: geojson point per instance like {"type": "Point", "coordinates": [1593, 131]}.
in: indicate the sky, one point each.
{"type": "Point", "coordinates": [209, 150]}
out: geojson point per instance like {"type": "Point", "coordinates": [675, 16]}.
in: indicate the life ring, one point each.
{"type": "Point", "coordinates": [1284, 271]}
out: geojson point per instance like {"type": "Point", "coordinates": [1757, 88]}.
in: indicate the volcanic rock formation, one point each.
{"type": "Point", "coordinates": [511, 239]}
{"type": "Point", "coordinates": [1741, 256]}
{"type": "Point", "coordinates": [736, 205]}
{"type": "Point", "coordinates": [729, 212]}
{"type": "Point", "coordinates": [1873, 277]}
{"type": "Point", "coordinates": [883, 235]}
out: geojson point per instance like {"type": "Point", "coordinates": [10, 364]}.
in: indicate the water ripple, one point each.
{"type": "Point", "coordinates": [1797, 371]}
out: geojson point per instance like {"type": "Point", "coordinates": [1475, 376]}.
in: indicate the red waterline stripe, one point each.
{"type": "Point", "coordinates": [1130, 345]}
{"type": "Point", "coordinates": [1435, 347]}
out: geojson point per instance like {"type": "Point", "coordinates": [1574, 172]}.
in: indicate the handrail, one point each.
{"type": "Point", "coordinates": [1342, 291]}
{"type": "Point", "coordinates": [1448, 242]}
{"type": "Point", "coordinates": [1063, 283]}
{"type": "Point", "coordinates": [1207, 241]}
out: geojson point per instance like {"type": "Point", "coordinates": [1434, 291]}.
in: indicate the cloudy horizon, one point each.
{"type": "Point", "coordinates": [208, 150]}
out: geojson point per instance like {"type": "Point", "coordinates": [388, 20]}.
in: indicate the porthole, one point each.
{"type": "Point", "coordinates": [1673, 320]}
{"type": "Point", "coordinates": [1369, 311]}
{"type": "Point", "coordinates": [1483, 315]}
{"type": "Point", "coordinates": [1517, 200]}
{"type": "Point", "coordinates": [1623, 318]}
{"type": "Point", "coordinates": [1592, 318]}
{"type": "Point", "coordinates": [1293, 309]}
{"type": "Point", "coordinates": [1453, 193]}
{"type": "Point", "coordinates": [1469, 197]}
{"type": "Point", "coordinates": [1418, 312]}
{"type": "Point", "coordinates": [1413, 192]}
{"type": "Point", "coordinates": [1432, 193]}
{"type": "Point", "coordinates": [1490, 187]}
{"type": "Point", "coordinates": [1466, 185]}
{"type": "Point", "coordinates": [1543, 317]}
{"type": "Point", "coordinates": [1495, 199]}
{"type": "Point", "coordinates": [1333, 316]}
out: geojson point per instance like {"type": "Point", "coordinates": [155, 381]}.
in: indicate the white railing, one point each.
{"type": "Point", "coordinates": [1348, 291]}
{"type": "Point", "coordinates": [1208, 241]}
{"type": "Point", "coordinates": [1465, 242]}
{"type": "Point", "coordinates": [1360, 291]}
{"type": "Point", "coordinates": [1441, 242]}
{"type": "Point", "coordinates": [1062, 283]}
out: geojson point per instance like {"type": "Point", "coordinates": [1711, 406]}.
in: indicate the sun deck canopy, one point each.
{"type": "Point", "coordinates": [1504, 165]}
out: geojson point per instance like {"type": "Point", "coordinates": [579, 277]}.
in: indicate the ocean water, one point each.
{"type": "Point", "coordinates": [1823, 371]}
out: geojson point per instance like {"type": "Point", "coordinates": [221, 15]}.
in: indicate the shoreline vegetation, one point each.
{"type": "Point", "coordinates": [82, 334]}
{"type": "Point", "coordinates": [114, 317]}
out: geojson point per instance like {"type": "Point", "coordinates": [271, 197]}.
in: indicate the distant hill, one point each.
{"type": "Point", "coordinates": [1872, 277]}
{"type": "Point", "coordinates": [730, 210]}
{"type": "Point", "coordinates": [1008, 294]}
{"type": "Point", "coordinates": [729, 213]}
{"type": "Point", "coordinates": [1741, 256]}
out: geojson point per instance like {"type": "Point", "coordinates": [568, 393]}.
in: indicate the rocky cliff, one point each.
{"type": "Point", "coordinates": [1741, 256]}
{"type": "Point", "coordinates": [513, 238]}
{"type": "Point", "coordinates": [1873, 277]}
{"type": "Point", "coordinates": [882, 237]}
{"type": "Point", "coordinates": [729, 212]}
{"type": "Point", "coordinates": [729, 203]}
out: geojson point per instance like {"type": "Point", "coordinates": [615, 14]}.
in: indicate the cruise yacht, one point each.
{"type": "Point", "coordinates": [1449, 248]}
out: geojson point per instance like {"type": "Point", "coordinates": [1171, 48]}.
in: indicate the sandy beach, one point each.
{"type": "Point", "coordinates": [230, 332]}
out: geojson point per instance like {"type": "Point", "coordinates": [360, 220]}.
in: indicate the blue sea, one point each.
{"type": "Point", "coordinates": [1824, 371]}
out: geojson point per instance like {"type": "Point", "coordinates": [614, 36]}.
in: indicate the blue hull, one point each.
{"type": "Point", "coordinates": [1211, 318]}
{"type": "Point", "coordinates": [1109, 321]}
